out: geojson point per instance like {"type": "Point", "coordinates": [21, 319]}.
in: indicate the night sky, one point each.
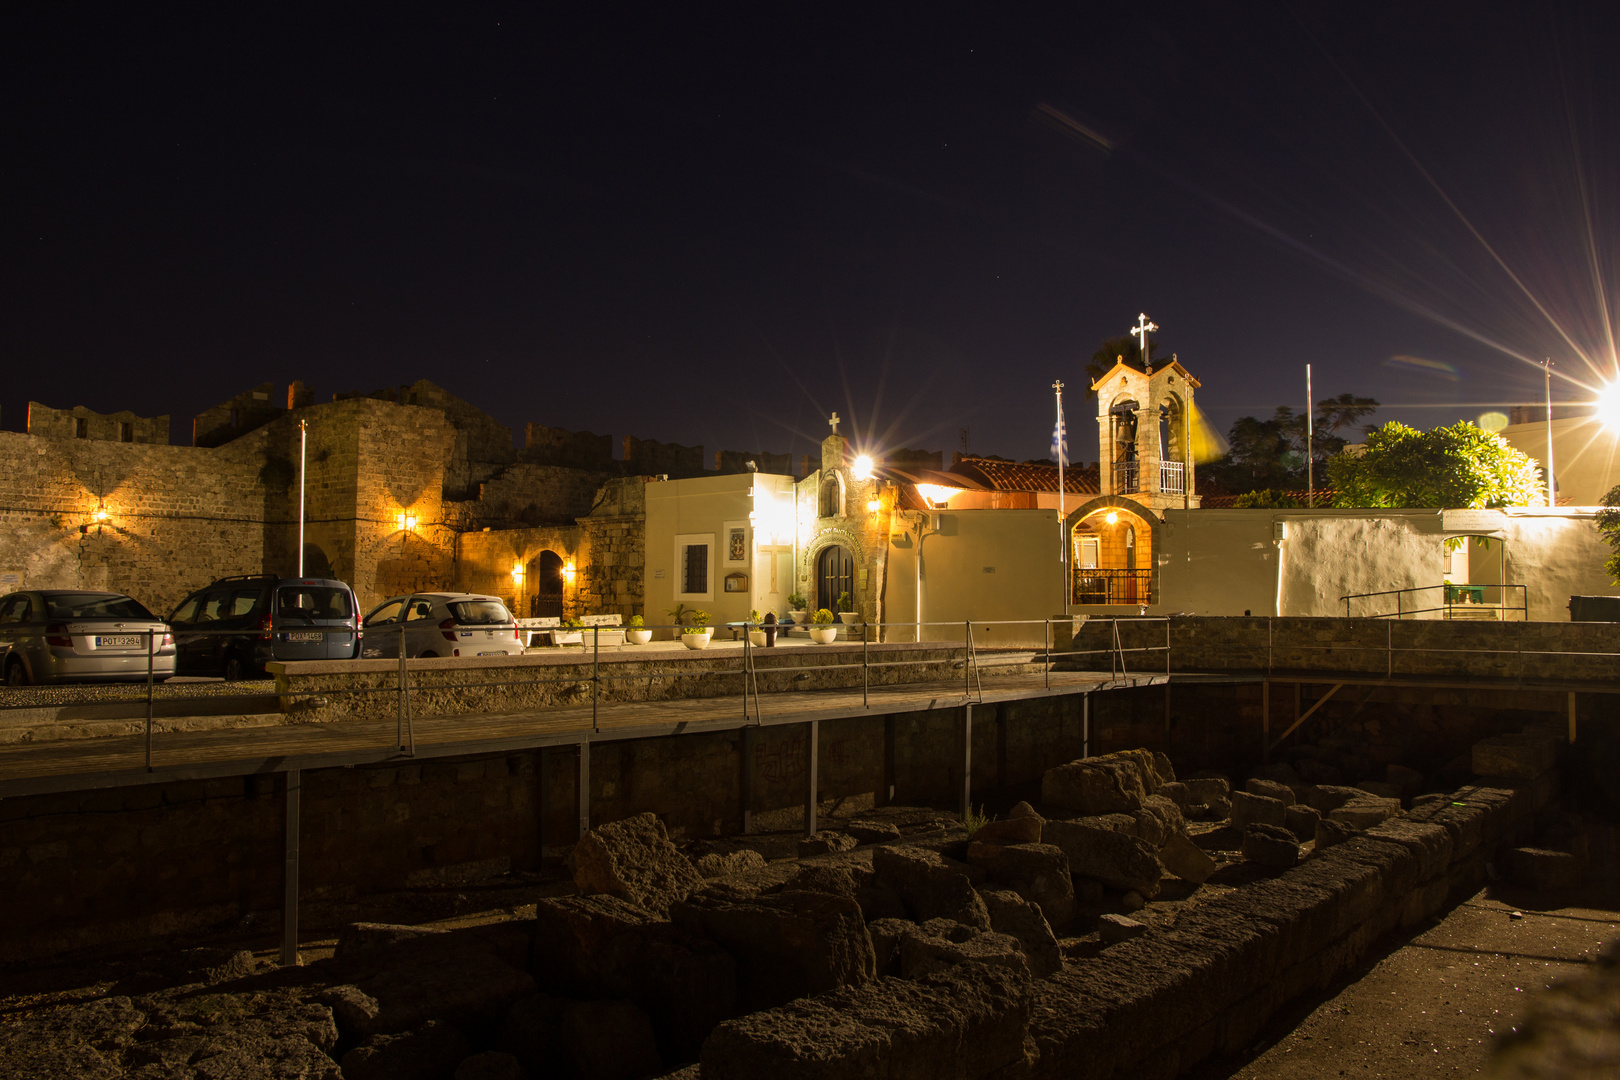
{"type": "Point", "coordinates": [711, 226]}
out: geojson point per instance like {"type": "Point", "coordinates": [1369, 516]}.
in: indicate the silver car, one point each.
{"type": "Point", "coordinates": [57, 635]}
{"type": "Point", "coordinates": [441, 624]}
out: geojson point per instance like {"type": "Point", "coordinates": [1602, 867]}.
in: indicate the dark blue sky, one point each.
{"type": "Point", "coordinates": [714, 226]}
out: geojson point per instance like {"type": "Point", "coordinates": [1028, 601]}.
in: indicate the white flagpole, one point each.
{"type": "Point", "coordinates": [303, 446]}
{"type": "Point", "coordinates": [1058, 439]}
{"type": "Point", "coordinates": [1310, 443]}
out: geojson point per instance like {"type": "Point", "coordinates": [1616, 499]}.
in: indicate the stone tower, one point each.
{"type": "Point", "coordinates": [1144, 432]}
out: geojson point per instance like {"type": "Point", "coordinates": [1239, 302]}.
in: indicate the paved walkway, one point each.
{"type": "Point", "coordinates": [32, 767]}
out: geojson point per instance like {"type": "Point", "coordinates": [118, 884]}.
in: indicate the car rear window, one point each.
{"type": "Point", "coordinates": [313, 602]}
{"type": "Point", "coordinates": [109, 606]}
{"type": "Point", "coordinates": [479, 612]}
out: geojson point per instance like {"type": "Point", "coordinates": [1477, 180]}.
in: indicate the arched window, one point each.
{"type": "Point", "coordinates": [832, 496]}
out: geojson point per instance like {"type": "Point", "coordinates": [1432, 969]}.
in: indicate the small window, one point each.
{"type": "Point", "coordinates": [1088, 552]}
{"type": "Point", "coordinates": [420, 609]}
{"type": "Point", "coordinates": [388, 613]}
{"type": "Point", "coordinates": [81, 428]}
{"type": "Point", "coordinates": [243, 601]}
{"type": "Point", "coordinates": [695, 569]}
{"type": "Point", "coordinates": [12, 610]}
{"type": "Point", "coordinates": [832, 497]}
{"type": "Point", "coordinates": [313, 602]}
{"type": "Point", "coordinates": [187, 611]}
{"type": "Point", "coordinates": [480, 612]}
{"type": "Point", "coordinates": [126, 431]}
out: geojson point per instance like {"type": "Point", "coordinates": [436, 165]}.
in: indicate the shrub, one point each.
{"type": "Point", "coordinates": [822, 617]}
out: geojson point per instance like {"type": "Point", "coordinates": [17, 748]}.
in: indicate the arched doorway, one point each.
{"type": "Point", "coordinates": [835, 574]}
{"type": "Point", "coordinates": [316, 564]}
{"type": "Point", "coordinates": [1113, 558]}
{"type": "Point", "coordinates": [547, 600]}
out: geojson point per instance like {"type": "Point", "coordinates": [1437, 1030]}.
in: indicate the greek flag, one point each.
{"type": "Point", "coordinates": [1060, 440]}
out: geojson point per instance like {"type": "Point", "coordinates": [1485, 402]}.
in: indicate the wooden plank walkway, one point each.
{"type": "Point", "coordinates": [119, 761]}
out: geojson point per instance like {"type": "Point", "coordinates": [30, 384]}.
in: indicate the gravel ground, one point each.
{"type": "Point", "coordinates": [37, 697]}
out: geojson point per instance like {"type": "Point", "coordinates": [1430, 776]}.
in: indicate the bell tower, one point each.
{"type": "Point", "coordinates": [1144, 433]}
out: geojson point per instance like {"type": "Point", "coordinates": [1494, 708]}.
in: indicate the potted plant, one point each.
{"type": "Point", "coordinates": [570, 632]}
{"type": "Point", "coordinates": [677, 615]}
{"type": "Point", "coordinates": [698, 634]}
{"type": "Point", "coordinates": [846, 609]}
{"type": "Point", "coordinates": [638, 634]}
{"type": "Point", "coordinates": [822, 630]}
{"type": "Point", "coordinates": [756, 631]}
{"type": "Point", "coordinates": [796, 608]}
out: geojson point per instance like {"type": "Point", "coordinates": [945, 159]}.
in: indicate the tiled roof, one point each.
{"type": "Point", "coordinates": [1016, 476]}
{"type": "Point", "coordinates": [1323, 497]}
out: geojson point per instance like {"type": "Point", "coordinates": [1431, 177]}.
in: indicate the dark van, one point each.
{"type": "Point", "coordinates": [238, 624]}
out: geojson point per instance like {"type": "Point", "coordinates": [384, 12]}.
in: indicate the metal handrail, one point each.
{"type": "Point", "coordinates": [1448, 605]}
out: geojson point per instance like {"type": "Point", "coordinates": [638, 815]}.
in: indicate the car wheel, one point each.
{"type": "Point", "coordinates": [16, 674]}
{"type": "Point", "coordinates": [233, 669]}
{"type": "Point", "coordinates": [427, 656]}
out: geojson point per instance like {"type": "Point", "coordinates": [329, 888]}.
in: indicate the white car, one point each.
{"type": "Point", "coordinates": [441, 624]}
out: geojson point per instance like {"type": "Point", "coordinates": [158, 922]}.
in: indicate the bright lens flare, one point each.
{"type": "Point", "coordinates": [937, 494]}
{"type": "Point", "coordinates": [1608, 406]}
{"type": "Point", "coordinates": [863, 467]}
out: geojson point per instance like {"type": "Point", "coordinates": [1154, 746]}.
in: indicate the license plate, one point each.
{"type": "Point", "coordinates": [115, 641]}
{"type": "Point", "coordinates": [492, 654]}
{"type": "Point", "coordinates": [306, 635]}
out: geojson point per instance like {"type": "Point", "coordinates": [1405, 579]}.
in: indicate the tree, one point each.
{"type": "Point", "coordinates": [1456, 466]}
{"type": "Point", "coordinates": [1271, 453]}
{"type": "Point", "coordinates": [1267, 499]}
{"type": "Point", "coordinates": [1112, 352]}
{"type": "Point", "coordinates": [1608, 525]}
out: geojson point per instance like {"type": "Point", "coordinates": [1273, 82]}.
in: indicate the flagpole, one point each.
{"type": "Point", "coordinates": [1058, 445]}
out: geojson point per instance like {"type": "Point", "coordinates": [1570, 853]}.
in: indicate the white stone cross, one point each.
{"type": "Point", "coordinates": [834, 420]}
{"type": "Point", "coordinates": [1141, 330]}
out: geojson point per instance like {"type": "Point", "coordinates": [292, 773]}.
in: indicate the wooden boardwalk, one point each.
{"type": "Point", "coordinates": [119, 761]}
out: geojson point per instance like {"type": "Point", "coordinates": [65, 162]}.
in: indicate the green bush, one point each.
{"type": "Point", "coordinates": [822, 617]}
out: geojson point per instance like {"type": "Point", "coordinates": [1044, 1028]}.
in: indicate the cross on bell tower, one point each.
{"type": "Point", "coordinates": [833, 420]}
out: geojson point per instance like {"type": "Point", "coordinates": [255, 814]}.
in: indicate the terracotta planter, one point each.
{"type": "Point", "coordinates": [823, 634]}
{"type": "Point", "coordinates": [697, 641]}
{"type": "Point", "coordinates": [638, 637]}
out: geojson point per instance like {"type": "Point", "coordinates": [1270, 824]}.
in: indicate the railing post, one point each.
{"type": "Point", "coordinates": [151, 651]}
{"type": "Point", "coordinates": [866, 671]}
{"type": "Point", "coordinates": [1048, 632]}
{"type": "Point", "coordinates": [967, 658]}
{"type": "Point", "coordinates": [812, 779]}
{"type": "Point", "coordinates": [967, 760]}
{"type": "Point", "coordinates": [1389, 650]}
{"type": "Point", "coordinates": [596, 676]}
{"type": "Point", "coordinates": [746, 669]}
{"type": "Point", "coordinates": [289, 895]}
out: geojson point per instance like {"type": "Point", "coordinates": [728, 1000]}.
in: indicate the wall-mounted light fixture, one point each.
{"type": "Point", "coordinates": [98, 519]}
{"type": "Point", "coordinates": [568, 571]}
{"type": "Point", "coordinates": [517, 573]}
{"type": "Point", "coordinates": [938, 496]}
{"type": "Point", "coordinates": [862, 469]}
{"type": "Point", "coordinates": [874, 505]}
{"type": "Point", "coordinates": [406, 521]}
{"type": "Point", "coordinates": [1112, 518]}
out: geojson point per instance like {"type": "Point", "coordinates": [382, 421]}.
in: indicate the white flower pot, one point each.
{"type": "Point", "coordinates": [756, 638]}
{"type": "Point", "coordinates": [800, 618]}
{"type": "Point", "coordinates": [638, 637]}
{"type": "Point", "coordinates": [697, 641]}
{"type": "Point", "coordinates": [849, 617]}
{"type": "Point", "coordinates": [823, 634]}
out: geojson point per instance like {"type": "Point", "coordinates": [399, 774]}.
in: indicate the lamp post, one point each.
{"type": "Point", "coordinates": [303, 447]}
{"type": "Point", "coordinates": [1546, 373]}
{"type": "Point", "coordinates": [1310, 443]}
{"type": "Point", "coordinates": [1060, 446]}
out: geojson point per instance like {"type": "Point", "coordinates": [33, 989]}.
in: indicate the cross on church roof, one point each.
{"type": "Point", "coordinates": [834, 422]}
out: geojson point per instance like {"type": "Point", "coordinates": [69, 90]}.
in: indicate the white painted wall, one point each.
{"type": "Point", "coordinates": [1586, 456]}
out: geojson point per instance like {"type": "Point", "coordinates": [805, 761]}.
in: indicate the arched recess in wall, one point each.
{"type": "Point", "coordinates": [316, 564]}
{"type": "Point", "coordinates": [1112, 561]}
{"type": "Point", "coordinates": [545, 586]}
{"type": "Point", "coordinates": [832, 495]}
{"type": "Point", "coordinates": [1475, 572]}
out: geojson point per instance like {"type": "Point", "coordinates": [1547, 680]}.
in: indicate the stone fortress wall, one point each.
{"type": "Point", "coordinates": [178, 517]}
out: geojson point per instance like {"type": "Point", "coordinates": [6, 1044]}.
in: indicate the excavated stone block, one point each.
{"type": "Point", "coordinates": [1119, 861]}
{"type": "Point", "coordinates": [1326, 798]}
{"type": "Point", "coordinates": [716, 865]}
{"type": "Point", "coordinates": [930, 887]}
{"type": "Point", "coordinates": [1016, 917]}
{"type": "Point", "coordinates": [967, 1021]}
{"type": "Point", "coordinates": [1301, 820]}
{"type": "Point", "coordinates": [941, 943]}
{"type": "Point", "coordinates": [826, 843]}
{"type": "Point", "coordinates": [1093, 786]}
{"type": "Point", "coordinates": [1271, 789]}
{"type": "Point", "coordinates": [1270, 845]}
{"type": "Point", "coordinates": [1250, 809]}
{"type": "Point", "coordinates": [1186, 860]}
{"type": "Point", "coordinates": [1430, 843]}
{"type": "Point", "coordinates": [1328, 833]}
{"type": "Point", "coordinates": [1542, 868]}
{"type": "Point", "coordinates": [1201, 789]}
{"type": "Point", "coordinates": [1039, 873]}
{"type": "Point", "coordinates": [786, 944]}
{"type": "Point", "coordinates": [1116, 928]}
{"type": "Point", "coordinates": [1366, 811]}
{"type": "Point", "coordinates": [633, 859]}
{"type": "Point", "coordinates": [1517, 757]}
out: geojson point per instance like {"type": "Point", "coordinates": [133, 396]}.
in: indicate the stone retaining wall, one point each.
{"type": "Point", "coordinates": [1455, 649]}
{"type": "Point", "coordinates": [329, 691]}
